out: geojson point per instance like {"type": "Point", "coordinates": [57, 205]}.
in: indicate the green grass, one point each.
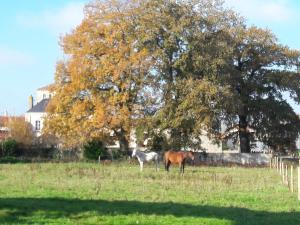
{"type": "Point", "coordinates": [86, 193]}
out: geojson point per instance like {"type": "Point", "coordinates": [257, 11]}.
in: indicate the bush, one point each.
{"type": "Point", "coordinates": [95, 148]}
{"type": "Point", "coordinates": [9, 147]}
{"type": "Point", "coordinates": [157, 143]}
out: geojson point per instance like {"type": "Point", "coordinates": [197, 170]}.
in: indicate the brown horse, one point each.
{"type": "Point", "coordinates": [177, 157]}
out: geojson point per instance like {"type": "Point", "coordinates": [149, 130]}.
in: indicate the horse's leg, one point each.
{"type": "Point", "coordinates": [141, 165]}
{"type": "Point", "coordinates": [168, 165]}
{"type": "Point", "coordinates": [183, 167]}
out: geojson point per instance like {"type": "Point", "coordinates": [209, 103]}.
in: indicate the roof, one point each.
{"type": "Point", "coordinates": [39, 107]}
{"type": "Point", "coordinates": [5, 119]}
{"type": "Point", "coordinates": [47, 88]}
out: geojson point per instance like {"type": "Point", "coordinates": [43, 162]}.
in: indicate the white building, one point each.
{"type": "Point", "coordinates": [37, 112]}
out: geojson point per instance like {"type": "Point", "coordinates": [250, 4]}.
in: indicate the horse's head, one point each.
{"type": "Point", "coordinates": [191, 155]}
{"type": "Point", "coordinates": [133, 153]}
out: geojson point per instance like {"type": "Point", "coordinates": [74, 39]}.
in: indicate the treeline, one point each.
{"type": "Point", "coordinates": [173, 70]}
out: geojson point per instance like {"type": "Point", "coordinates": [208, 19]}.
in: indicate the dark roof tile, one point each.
{"type": "Point", "coordinates": [39, 107]}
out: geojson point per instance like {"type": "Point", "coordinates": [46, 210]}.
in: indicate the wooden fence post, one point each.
{"type": "Point", "coordinates": [283, 173]}
{"type": "Point", "coordinates": [292, 179]}
{"type": "Point", "coordinates": [286, 176]}
{"type": "Point", "coordinates": [280, 166]}
{"type": "Point", "coordinates": [299, 180]}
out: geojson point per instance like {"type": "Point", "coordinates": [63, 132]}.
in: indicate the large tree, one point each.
{"type": "Point", "coordinates": [252, 86]}
{"type": "Point", "coordinates": [260, 74]}
{"type": "Point", "coordinates": [98, 87]}
{"type": "Point", "coordinates": [188, 43]}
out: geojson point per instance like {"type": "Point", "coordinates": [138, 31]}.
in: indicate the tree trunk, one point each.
{"type": "Point", "coordinates": [124, 143]}
{"type": "Point", "coordinates": [244, 135]}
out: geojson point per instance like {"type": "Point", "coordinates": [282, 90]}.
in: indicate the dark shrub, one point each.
{"type": "Point", "coordinates": [157, 143]}
{"type": "Point", "coordinates": [9, 147]}
{"type": "Point", "coordinates": [36, 151]}
{"type": "Point", "coordinates": [95, 148]}
{"type": "Point", "coordinates": [116, 154]}
{"type": "Point", "coordinates": [12, 159]}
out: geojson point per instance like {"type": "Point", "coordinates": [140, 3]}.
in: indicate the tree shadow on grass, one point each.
{"type": "Point", "coordinates": [56, 208]}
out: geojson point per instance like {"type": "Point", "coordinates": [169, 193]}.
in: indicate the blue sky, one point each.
{"type": "Point", "coordinates": [30, 31]}
{"type": "Point", "coordinates": [29, 36]}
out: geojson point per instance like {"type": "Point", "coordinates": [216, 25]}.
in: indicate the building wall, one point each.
{"type": "Point", "coordinates": [209, 145]}
{"type": "Point", "coordinates": [32, 118]}
{"type": "Point", "coordinates": [234, 158]}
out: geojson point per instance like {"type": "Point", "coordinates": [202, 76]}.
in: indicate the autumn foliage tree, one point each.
{"type": "Point", "coordinates": [98, 87]}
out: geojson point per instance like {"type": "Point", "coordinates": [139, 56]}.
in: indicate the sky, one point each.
{"type": "Point", "coordinates": [30, 32]}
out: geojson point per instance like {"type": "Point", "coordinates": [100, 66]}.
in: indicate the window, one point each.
{"type": "Point", "coordinates": [37, 125]}
{"type": "Point", "coordinates": [44, 96]}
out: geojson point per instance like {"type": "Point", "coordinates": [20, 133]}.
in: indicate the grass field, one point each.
{"type": "Point", "coordinates": [86, 193]}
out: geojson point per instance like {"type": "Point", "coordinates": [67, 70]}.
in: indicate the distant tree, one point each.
{"type": "Point", "coordinates": [20, 131]}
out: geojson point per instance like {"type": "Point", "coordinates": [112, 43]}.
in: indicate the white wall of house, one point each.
{"type": "Point", "coordinates": [209, 145]}
{"type": "Point", "coordinates": [36, 120]}
{"type": "Point", "coordinates": [298, 143]}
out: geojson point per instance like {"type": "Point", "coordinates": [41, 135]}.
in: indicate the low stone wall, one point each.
{"type": "Point", "coordinates": [252, 159]}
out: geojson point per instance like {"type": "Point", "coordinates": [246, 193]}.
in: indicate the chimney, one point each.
{"type": "Point", "coordinates": [30, 102]}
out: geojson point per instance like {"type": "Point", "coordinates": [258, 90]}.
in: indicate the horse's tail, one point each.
{"type": "Point", "coordinates": [165, 159]}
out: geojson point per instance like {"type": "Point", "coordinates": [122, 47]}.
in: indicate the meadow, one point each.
{"type": "Point", "coordinates": [118, 193]}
